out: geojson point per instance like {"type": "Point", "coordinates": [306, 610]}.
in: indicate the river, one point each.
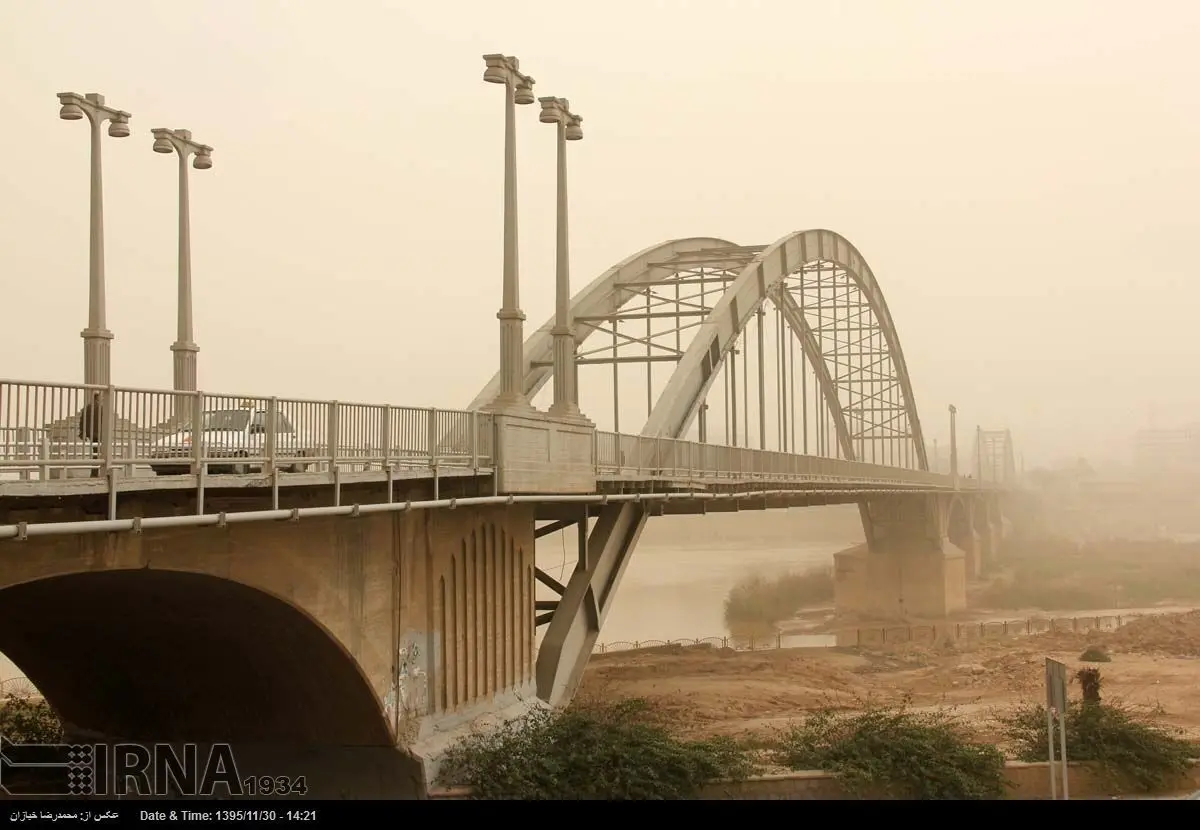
{"type": "Point", "coordinates": [684, 566]}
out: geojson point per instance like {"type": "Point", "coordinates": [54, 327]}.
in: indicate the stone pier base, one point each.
{"type": "Point", "coordinates": [901, 584]}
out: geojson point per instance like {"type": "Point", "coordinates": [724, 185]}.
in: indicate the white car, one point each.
{"type": "Point", "coordinates": [232, 434]}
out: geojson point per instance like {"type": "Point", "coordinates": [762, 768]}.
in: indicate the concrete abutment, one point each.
{"type": "Point", "coordinates": [387, 633]}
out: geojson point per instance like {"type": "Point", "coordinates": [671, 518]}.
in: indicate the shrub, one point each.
{"type": "Point", "coordinates": [1095, 654]}
{"type": "Point", "coordinates": [890, 751]}
{"type": "Point", "coordinates": [609, 751]}
{"type": "Point", "coordinates": [29, 720]}
{"type": "Point", "coordinates": [1089, 683]}
{"type": "Point", "coordinates": [761, 601]}
{"type": "Point", "coordinates": [1127, 746]}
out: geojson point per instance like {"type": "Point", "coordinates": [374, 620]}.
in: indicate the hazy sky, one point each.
{"type": "Point", "coordinates": [1022, 176]}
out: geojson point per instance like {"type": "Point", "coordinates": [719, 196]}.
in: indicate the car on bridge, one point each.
{"type": "Point", "coordinates": [232, 434]}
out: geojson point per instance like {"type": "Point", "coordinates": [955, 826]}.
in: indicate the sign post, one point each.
{"type": "Point", "coordinates": [1056, 709]}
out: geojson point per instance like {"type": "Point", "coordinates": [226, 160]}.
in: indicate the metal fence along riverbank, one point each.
{"type": "Point", "coordinates": [873, 636]}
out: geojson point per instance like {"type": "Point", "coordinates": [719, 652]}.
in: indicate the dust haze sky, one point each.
{"type": "Point", "coordinates": [1022, 176]}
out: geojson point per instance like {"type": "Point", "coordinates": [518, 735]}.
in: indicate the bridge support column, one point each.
{"type": "Point", "coordinates": [960, 519]}
{"type": "Point", "coordinates": [573, 631]}
{"type": "Point", "coordinates": [465, 659]}
{"type": "Point", "coordinates": [908, 568]}
{"type": "Point", "coordinates": [988, 526]}
{"type": "Point", "coordinates": [973, 558]}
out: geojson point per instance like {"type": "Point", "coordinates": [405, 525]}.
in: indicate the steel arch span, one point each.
{"type": "Point", "coordinates": [829, 308]}
{"type": "Point", "coordinates": [828, 303]}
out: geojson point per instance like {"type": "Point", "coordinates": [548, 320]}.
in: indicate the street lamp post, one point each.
{"type": "Point", "coordinates": [97, 339]}
{"type": "Point", "coordinates": [180, 142]}
{"type": "Point", "coordinates": [518, 89]}
{"type": "Point", "coordinates": [953, 447]}
{"type": "Point", "coordinates": [569, 128]}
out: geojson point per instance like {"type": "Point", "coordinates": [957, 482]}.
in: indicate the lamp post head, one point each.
{"type": "Point", "coordinates": [552, 110]}
{"type": "Point", "coordinates": [505, 69]}
{"type": "Point", "coordinates": [69, 109]}
{"type": "Point", "coordinates": [119, 126]}
{"type": "Point", "coordinates": [162, 144]}
{"type": "Point", "coordinates": [558, 111]}
{"type": "Point", "coordinates": [203, 159]}
{"type": "Point", "coordinates": [498, 68]}
{"type": "Point", "coordinates": [953, 409]}
{"type": "Point", "coordinates": [524, 91]}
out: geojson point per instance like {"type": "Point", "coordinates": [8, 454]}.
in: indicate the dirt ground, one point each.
{"type": "Point", "coordinates": [713, 691]}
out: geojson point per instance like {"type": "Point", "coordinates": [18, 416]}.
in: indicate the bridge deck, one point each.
{"type": "Point", "coordinates": [312, 445]}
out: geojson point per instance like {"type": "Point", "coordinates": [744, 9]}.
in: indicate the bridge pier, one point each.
{"type": "Point", "coordinates": [960, 519]}
{"type": "Point", "coordinates": [974, 556]}
{"type": "Point", "coordinates": [908, 567]}
{"type": "Point", "coordinates": [988, 525]}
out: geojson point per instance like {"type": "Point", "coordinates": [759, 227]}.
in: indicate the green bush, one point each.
{"type": "Point", "coordinates": [29, 720]}
{"type": "Point", "coordinates": [1095, 654]}
{"type": "Point", "coordinates": [894, 752]}
{"type": "Point", "coordinates": [1128, 747]}
{"type": "Point", "coordinates": [607, 751]}
{"type": "Point", "coordinates": [761, 601]}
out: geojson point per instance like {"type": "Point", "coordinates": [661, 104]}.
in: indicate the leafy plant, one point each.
{"type": "Point", "coordinates": [29, 720]}
{"type": "Point", "coordinates": [1128, 747]}
{"type": "Point", "coordinates": [1095, 654]}
{"type": "Point", "coordinates": [891, 751]}
{"type": "Point", "coordinates": [1089, 682]}
{"type": "Point", "coordinates": [590, 750]}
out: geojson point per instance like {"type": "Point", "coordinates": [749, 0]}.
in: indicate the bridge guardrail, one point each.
{"type": "Point", "coordinates": [59, 430]}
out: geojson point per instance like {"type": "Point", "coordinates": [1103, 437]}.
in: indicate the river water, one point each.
{"type": "Point", "coordinates": [684, 566]}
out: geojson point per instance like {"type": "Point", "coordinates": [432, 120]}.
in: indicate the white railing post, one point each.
{"type": "Point", "coordinates": [107, 448]}
{"type": "Point", "coordinates": [197, 424]}
{"type": "Point", "coordinates": [331, 434]}
{"type": "Point", "coordinates": [44, 453]}
{"type": "Point", "coordinates": [24, 450]}
{"type": "Point", "coordinates": [270, 446]}
{"type": "Point", "coordinates": [385, 435]}
{"type": "Point", "coordinates": [130, 454]}
{"type": "Point", "coordinates": [474, 439]}
{"type": "Point", "coordinates": [431, 438]}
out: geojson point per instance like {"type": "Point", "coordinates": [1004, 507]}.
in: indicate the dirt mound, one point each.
{"type": "Point", "coordinates": [1174, 635]}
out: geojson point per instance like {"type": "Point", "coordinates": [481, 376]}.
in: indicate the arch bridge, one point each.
{"type": "Point", "coordinates": [361, 577]}
{"type": "Point", "coordinates": [780, 357]}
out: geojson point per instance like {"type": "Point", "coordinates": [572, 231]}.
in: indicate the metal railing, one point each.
{"type": "Point", "coordinates": [886, 635]}
{"type": "Point", "coordinates": [57, 430]}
